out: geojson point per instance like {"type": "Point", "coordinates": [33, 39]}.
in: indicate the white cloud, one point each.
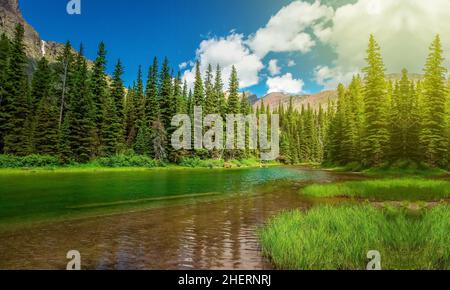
{"type": "Point", "coordinates": [403, 28]}
{"type": "Point", "coordinates": [228, 51]}
{"type": "Point", "coordinates": [287, 30]}
{"type": "Point", "coordinates": [274, 69]}
{"type": "Point", "coordinates": [183, 65]}
{"type": "Point", "coordinates": [285, 84]}
{"type": "Point", "coordinates": [330, 78]}
{"type": "Point", "coordinates": [291, 63]}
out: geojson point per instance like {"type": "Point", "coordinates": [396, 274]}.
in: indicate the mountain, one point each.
{"type": "Point", "coordinates": [314, 100]}
{"type": "Point", "coordinates": [36, 47]}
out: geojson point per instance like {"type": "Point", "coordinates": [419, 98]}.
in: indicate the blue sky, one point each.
{"type": "Point", "coordinates": [315, 45]}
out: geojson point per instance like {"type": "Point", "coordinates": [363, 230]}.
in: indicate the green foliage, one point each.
{"type": "Point", "coordinates": [376, 135]}
{"type": "Point", "coordinates": [385, 189]}
{"type": "Point", "coordinates": [128, 161]}
{"type": "Point", "coordinates": [117, 90]}
{"type": "Point", "coordinates": [74, 112]}
{"type": "Point", "coordinates": [434, 120]}
{"type": "Point", "coordinates": [80, 120]}
{"type": "Point", "coordinates": [339, 238]}
{"type": "Point", "coordinates": [16, 123]}
{"type": "Point", "coordinates": [201, 163]}
{"type": "Point", "coordinates": [30, 161]}
{"type": "Point", "coordinates": [233, 91]}
{"type": "Point", "coordinates": [378, 123]}
{"type": "Point", "coordinates": [152, 109]}
{"type": "Point", "coordinates": [198, 98]}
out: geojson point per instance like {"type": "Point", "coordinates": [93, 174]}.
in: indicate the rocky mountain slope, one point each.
{"type": "Point", "coordinates": [36, 47]}
{"type": "Point", "coordinates": [314, 100]}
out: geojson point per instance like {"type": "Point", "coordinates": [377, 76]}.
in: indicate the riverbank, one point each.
{"type": "Point", "coordinates": [406, 219]}
{"type": "Point", "coordinates": [95, 167]}
{"type": "Point", "coordinates": [395, 189]}
{"type": "Point", "coordinates": [340, 237]}
{"type": "Point", "coordinates": [419, 171]}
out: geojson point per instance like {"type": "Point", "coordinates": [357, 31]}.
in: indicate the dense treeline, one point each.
{"type": "Point", "coordinates": [376, 122]}
{"type": "Point", "coordinates": [74, 111]}
{"type": "Point", "coordinates": [77, 112]}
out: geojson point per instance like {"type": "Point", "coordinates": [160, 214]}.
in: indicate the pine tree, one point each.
{"type": "Point", "coordinates": [99, 91]}
{"type": "Point", "coordinates": [376, 135]}
{"type": "Point", "coordinates": [432, 136]}
{"type": "Point", "coordinates": [117, 97]}
{"type": "Point", "coordinates": [219, 92]}
{"type": "Point", "coordinates": [183, 101]}
{"type": "Point", "coordinates": [41, 84]}
{"type": "Point", "coordinates": [181, 89]}
{"type": "Point", "coordinates": [152, 109]}
{"type": "Point", "coordinates": [16, 118]}
{"type": "Point", "coordinates": [198, 98]}
{"type": "Point", "coordinates": [98, 84]}
{"type": "Point", "coordinates": [117, 90]}
{"type": "Point", "coordinates": [140, 100]}
{"type": "Point", "coordinates": [210, 96]}
{"type": "Point", "coordinates": [233, 91]}
{"type": "Point", "coordinates": [112, 133]}
{"type": "Point", "coordinates": [356, 112]}
{"type": "Point", "coordinates": [45, 135]}
{"type": "Point", "coordinates": [404, 133]}
{"type": "Point", "coordinates": [168, 107]}
{"type": "Point", "coordinates": [168, 102]}
{"type": "Point", "coordinates": [159, 140]}
{"type": "Point", "coordinates": [82, 112]}
{"type": "Point", "coordinates": [64, 69]}
{"type": "Point", "coordinates": [131, 109]}
{"type": "Point", "coordinates": [4, 63]}
{"type": "Point", "coordinates": [4, 58]}
{"type": "Point", "coordinates": [143, 140]}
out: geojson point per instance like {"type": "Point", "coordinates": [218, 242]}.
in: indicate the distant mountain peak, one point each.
{"type": "Point", "coordinates": [275, 100]}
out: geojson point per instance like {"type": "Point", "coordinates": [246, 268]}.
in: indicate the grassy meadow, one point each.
{"type": "Point", "coordinates": [409, 189]}
{"type": "Point", "coordinates": [340, 237]}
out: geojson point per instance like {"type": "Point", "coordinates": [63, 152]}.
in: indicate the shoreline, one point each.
{"type": "Point", "coordinates": [99, 169]}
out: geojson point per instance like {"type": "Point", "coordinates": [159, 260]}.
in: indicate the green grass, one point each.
{"type": "Point", "coordinates": [399, 172]}
{"type": "Point", "coordinates": [136, 163]}
{"type": "Point", "coordinates": [409, 189]}
{"type": "Point", "coordinates": [396, 169]}
{"type": "Point", "coordinates": [340, 238]}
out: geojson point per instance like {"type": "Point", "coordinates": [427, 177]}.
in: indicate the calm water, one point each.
{"type": "Point", "coordinates": [196, 219]}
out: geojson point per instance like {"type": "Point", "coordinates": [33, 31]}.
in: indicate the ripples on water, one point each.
{"type": "Point", "coordinates": [201, 233]}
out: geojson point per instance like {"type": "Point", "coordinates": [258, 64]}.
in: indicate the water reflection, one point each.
{"type": "Point", "coordinates": [216, 233]}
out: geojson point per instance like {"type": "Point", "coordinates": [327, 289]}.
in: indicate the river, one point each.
{"type": "Point", "coordinates": [168, 219]}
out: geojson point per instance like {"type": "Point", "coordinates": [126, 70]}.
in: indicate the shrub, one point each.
{"type": "Point", "coordinates": [31, 161]}
{"type": "Point", "coordinates": [199, 163]}
{"type": "Point", "coordinates": [128, 161]}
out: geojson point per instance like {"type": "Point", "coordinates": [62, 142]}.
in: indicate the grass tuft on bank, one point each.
{"type": "Point", "coordinates": [329, 238]}
{"type": "Point", "coordinates": [409, 189]}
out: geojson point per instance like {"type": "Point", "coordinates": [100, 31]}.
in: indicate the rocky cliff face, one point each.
{"type": "Point", "coordinates": [10, 15]}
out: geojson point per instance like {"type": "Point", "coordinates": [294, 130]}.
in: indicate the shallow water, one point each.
{"type": "Point", "coordinates": [190, 232]}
